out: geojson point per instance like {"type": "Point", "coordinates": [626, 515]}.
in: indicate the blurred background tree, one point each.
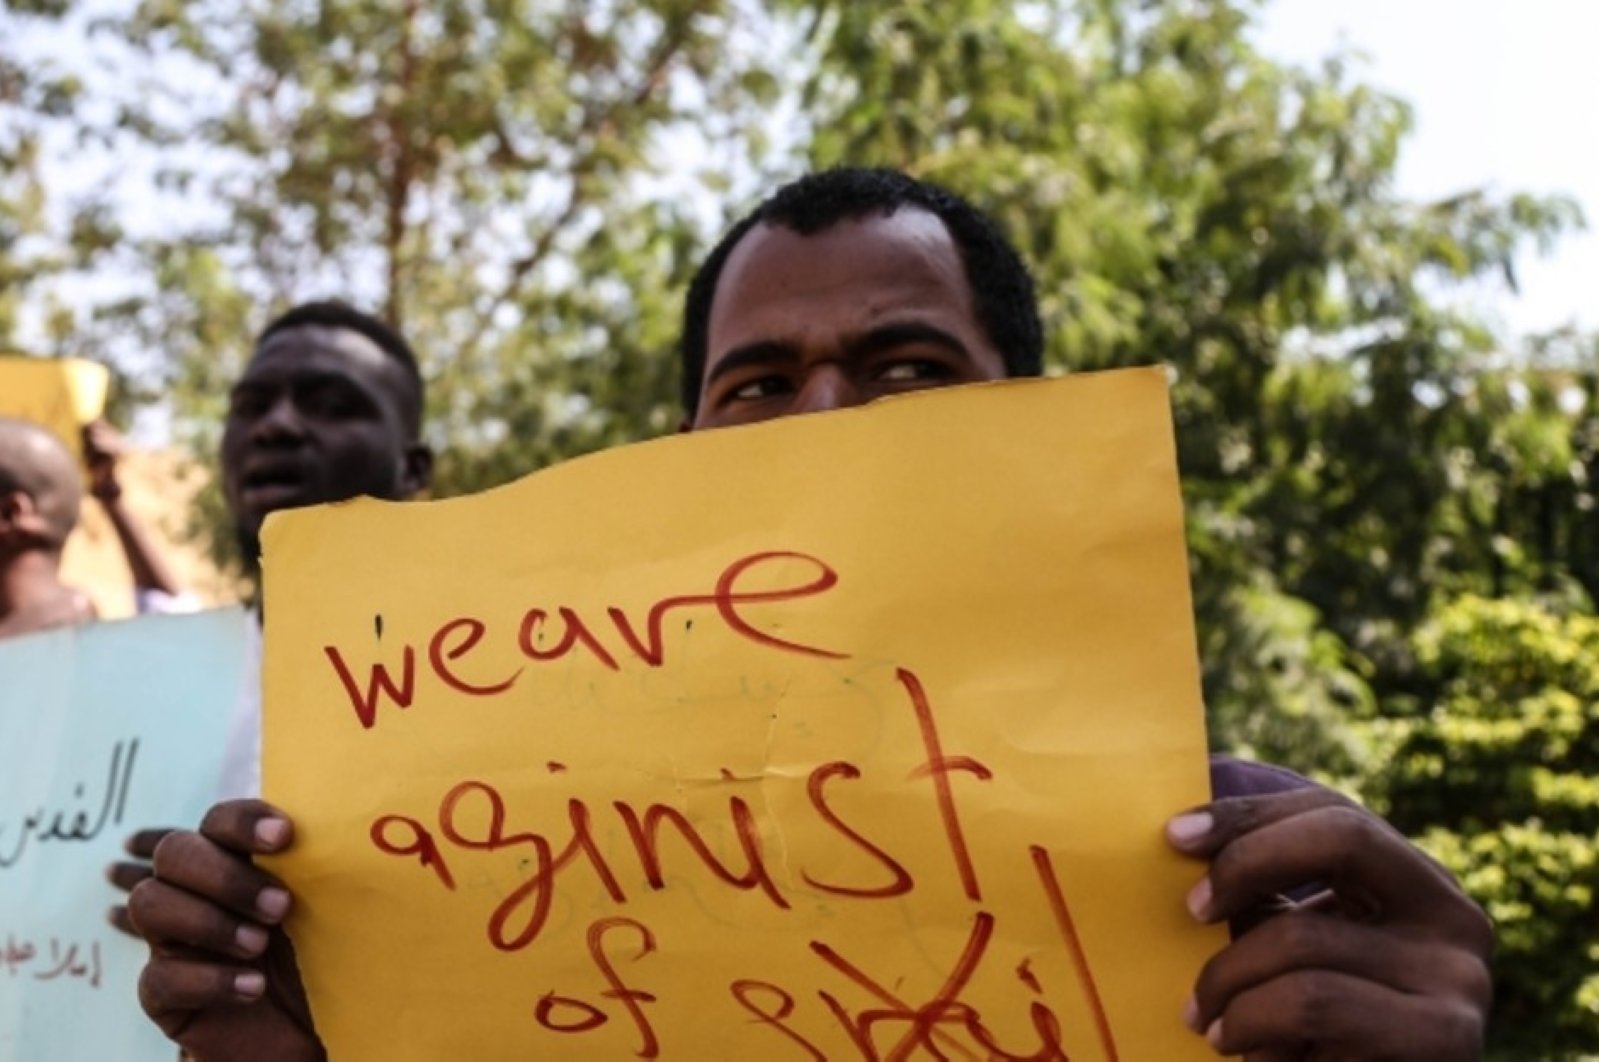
{"type": "Point", "coordinates": [1391, 515]}
{"type": "Point", "coordinates": [42, 236]}
{"type": "Point", "coordinates": [500, 178]}
{"type": "Point", "coordinates": [1496, 770]}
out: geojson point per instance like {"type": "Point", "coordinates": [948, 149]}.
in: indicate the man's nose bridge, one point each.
{"type": "Point", "coordinates": [827, 386]}
{"type": "Point", "coordinates": [282, 416]}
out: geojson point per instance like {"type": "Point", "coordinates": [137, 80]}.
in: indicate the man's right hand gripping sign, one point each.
{"type": "Point", "coordinates": [1388, 960]}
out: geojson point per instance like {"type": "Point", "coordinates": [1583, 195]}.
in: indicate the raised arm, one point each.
{"type": "Point", "coordinates": [102, 449]}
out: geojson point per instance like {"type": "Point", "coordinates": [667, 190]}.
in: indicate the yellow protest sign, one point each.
{"type": "Point", "coordinates": [845, 736]}
{"type": "Point", "coordinates": [62, 394]}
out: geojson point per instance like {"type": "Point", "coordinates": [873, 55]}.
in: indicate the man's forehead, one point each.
{"type": "Point", "coordinates": [321, 349]}
{"type": "Point", "coordinates": [909, 254]}
{"type": "Point", "coordinates": [907, 230]}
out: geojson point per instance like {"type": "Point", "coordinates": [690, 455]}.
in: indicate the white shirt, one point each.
{"type": "Point", "coordinates": [241, 764]}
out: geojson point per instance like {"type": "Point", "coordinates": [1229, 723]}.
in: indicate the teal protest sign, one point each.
{"type": "Point", "coordinates": [109, 728]}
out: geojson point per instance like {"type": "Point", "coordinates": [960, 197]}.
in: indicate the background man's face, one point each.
{"type": "Point", "coordinates": [867, 308]}
{"type": "Point", "coordinates": [321, 414]}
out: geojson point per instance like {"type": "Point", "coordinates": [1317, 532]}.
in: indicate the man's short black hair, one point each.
{"type": "Point", "coordinates": [1006, 302]}
{"type": "Point", "coordinates": [332, 313]}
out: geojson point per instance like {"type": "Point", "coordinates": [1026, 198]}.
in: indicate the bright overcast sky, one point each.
{"type": "Point", "coordinates": [1505, 95]}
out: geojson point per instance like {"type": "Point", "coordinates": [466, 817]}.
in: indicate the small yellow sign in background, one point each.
{"type": "Point", "coordinates": [846, 736]}
{"type": "Point", "coordinates": [60, 394]}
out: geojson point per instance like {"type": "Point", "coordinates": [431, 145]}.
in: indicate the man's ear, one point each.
{"type": "Point", "coordinates": [417, 469]}
{"type": "Point", "coordinates": [17, 505]}
{"type": "Point", "coordinates": [17, 510]}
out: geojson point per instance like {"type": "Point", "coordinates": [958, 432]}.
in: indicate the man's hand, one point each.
{"type": "Point", "coordinates": [128, 873]}
{"type": "Point", "coordinates": [221, 980]}
{"type": "Point", "coordinates": [102, 447]}
{"type": "Point", "coordinates": [1388, 961]}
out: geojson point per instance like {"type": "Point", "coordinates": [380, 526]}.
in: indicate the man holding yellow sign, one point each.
{"type": "Point", "coordinates": [908, 832]}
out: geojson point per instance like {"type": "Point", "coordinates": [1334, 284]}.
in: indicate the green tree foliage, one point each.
{"type": "Point", "coordinates": [1498, 773]}
{"type": "Point", "coordinates": [39, 239]}
{"type": "Point", "coordinates": [53, 233]}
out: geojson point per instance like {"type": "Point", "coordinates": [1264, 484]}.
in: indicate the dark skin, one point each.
{"type": "Point", "coordinates": [102, 451]}
{"type": "Point", "coordinates": [32, 539]}
{"type": "Point", "coordinates": [38, 508]}
{"type": "Point", "coordinates": [804, 324]}
{"type": "Point", "coordinates": [321, 414]}
{"type": "Point", "coordinates": [1390, 961]}
{"type": "Point", "coordinates": [221, 980]}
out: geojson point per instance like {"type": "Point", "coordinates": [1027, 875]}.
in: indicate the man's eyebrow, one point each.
{"type": "Point", "coordinates": [296, 378]}
{"type": "Point", "coordinates": [760, 352]}
{"type": "Point", "coordinates": [904, 333]}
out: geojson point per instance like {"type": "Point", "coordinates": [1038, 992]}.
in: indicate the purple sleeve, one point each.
{"type": "Point", "coordinates": [1231, 777]}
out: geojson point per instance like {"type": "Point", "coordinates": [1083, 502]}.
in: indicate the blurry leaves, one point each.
{"type": "Point", "coordinates": [483, 173]}
{"type": "Point", "coordinates": [1499, 774]}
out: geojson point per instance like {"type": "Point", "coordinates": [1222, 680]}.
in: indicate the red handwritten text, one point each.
{"type": "Point", "coordinates": [456, 639]}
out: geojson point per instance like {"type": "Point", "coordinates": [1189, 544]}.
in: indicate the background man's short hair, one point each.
{"type": "Point", "coordinates": [1006, 302]}
{"type": "Point", "coordinates": [332, 313]}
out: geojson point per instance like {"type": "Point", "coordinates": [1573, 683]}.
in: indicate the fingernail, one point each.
{"type": "Point", "coordinates": [1191, 1015]}
{"type": "Point", "coordinates": [1190, 828]}
{"type": "Point", "coordinates": [1213, 1034]}
{"type": "Point", "coordinates": [250, 985]}
{"type": "Point", "coordinates": [1199, 898]}
{"type": "Point", "coordinates": [252, 940]}
{"type": "Point", "coordinates": [271, 833]}
{"type": "Point", "coordinates": [272, 904]}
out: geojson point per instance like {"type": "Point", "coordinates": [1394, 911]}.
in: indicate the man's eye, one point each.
{"type": "Point", "coordinates": [247, 403]}
{"type": "Point", "coordinates": [762, 387]}
{"type": "Point", "coordinates": [330, 402]}
{"type": "Point", "coordinates": [912, 369]}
